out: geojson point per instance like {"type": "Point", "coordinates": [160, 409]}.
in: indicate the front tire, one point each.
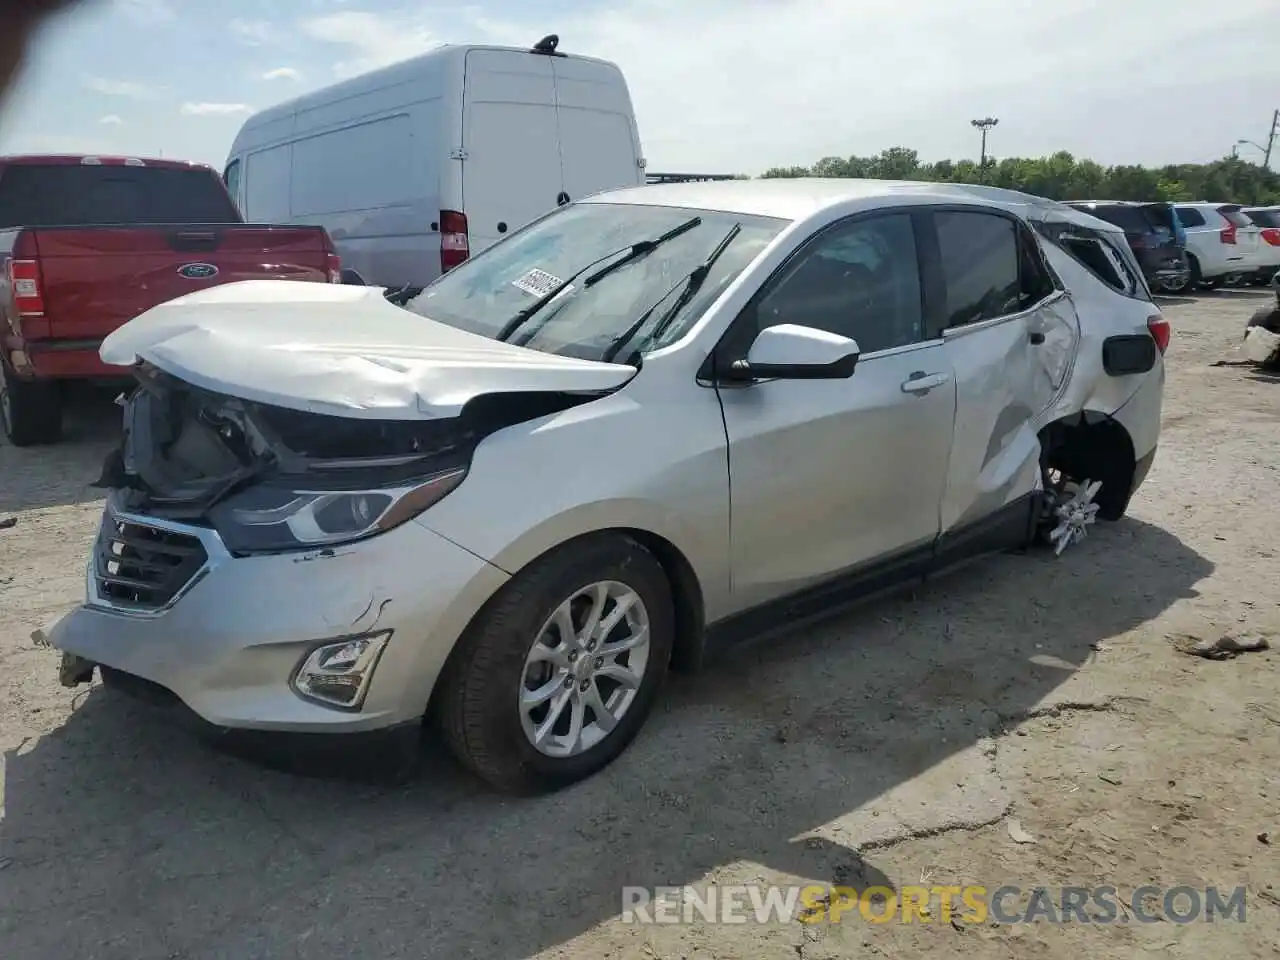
{"type": "Point", "coordinates": [556, 675]}
{"type": "Point", "coordinates": [31, 410]}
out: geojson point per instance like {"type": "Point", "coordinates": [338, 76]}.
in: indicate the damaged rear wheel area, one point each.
{"type": "Point", "coordinates": [1087, 468]}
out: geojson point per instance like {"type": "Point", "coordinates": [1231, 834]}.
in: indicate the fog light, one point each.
{"type": "Point", "coordinates": [338, 674]}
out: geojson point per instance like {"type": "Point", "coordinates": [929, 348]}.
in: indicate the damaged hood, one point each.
{"type": "Point", "coordinates": [339, 350]}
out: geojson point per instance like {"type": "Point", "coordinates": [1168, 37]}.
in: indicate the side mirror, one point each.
{"type": "Point", "coordinates": [792, 352]}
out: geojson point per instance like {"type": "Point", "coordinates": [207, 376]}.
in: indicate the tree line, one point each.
{"type": "Point", "coordinates": [1063, 177]}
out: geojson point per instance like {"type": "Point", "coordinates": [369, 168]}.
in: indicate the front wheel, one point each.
{"type": "Point", "coordinates": [558, 672]}
{"type": "Point", "coordinates": [1174, 284]}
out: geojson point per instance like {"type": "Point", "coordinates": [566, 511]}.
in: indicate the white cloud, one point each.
{"type": "Point", "coordinates": [122, 88]}
{"type": "Point", "coordinates": [111, 120]}
{"type": "Point", "coordinates": [146, 11]}
{"type": "Point", "coordinates": [215, 109]}
{"type": "Point", "coordinates": [282, 73]}
{"type": "Point", "coordinates": [371, 40]}
{"type": "Point", "coordinates": [252, 32]}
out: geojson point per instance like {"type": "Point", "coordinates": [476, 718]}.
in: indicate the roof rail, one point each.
{"type": "Point", "coordinates": [653, 178]}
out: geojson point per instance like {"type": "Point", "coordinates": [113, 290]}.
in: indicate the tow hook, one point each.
{"type": "Point", "coordinates": [73, 670]}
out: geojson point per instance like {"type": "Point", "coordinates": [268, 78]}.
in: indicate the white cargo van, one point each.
{"type": "Point", "coordinates": [414, 167]}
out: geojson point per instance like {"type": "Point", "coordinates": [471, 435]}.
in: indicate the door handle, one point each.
{"type": "Point", "coordinates": [1037, 338]}
{"type": "Point", "coordinates": [921, 382]}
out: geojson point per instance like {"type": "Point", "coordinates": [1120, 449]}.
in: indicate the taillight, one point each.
{"type": "Point", "coordinates": [1271, 235]}
{"type": "Point", "coordinates": [24, 282]}
{"type": "Point", "coordinates": [454, 246]}
{"type": "Point", "coordinates": [332, 262]}
{"type": "Point", "coordinates": [1228, 234]}
{"type": "Point", "coordinates": [1158, 327]}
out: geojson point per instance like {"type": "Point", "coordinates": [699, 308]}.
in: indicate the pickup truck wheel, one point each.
{"type": "Point", "coordinates": [556, 675]}
{"type": "Point", "coordinates": [30, 409]}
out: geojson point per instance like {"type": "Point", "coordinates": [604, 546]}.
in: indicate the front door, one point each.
{"type": "Point", "coordinates": [1010, 337]}
{"type": "Point", "coordinates": [511, 168]}
{"type": "Point", "coordinates": [831, 475]}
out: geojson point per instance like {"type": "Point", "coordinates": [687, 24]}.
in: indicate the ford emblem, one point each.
{"type": "Point", "coordinates": [198, 271]}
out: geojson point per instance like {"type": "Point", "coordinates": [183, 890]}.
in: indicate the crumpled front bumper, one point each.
{"type": "Point", "coordinates": [229, 643]}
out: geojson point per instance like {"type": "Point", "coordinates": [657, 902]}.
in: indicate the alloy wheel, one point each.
{"type": "Point", "coordinates": [584, 669]}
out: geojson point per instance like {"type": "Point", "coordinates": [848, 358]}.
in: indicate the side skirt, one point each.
{"type": "Point", "coordinates": [1012, 527]}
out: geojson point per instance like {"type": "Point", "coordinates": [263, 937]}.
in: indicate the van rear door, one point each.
{"type": "Point", "coordinates": [511, 165]}
{"type": "Point", "coordinates": [599, 145]}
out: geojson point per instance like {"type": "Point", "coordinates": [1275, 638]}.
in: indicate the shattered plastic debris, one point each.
{"type": "Point", "coordinates": [1225, 647]}
{"type": "Point", "coordinates": [1017, 834]}
{"type": "Point", "coordinates": [1261, 345]}
{"type": "Point", "coordinates": [7, 522]}
{"type": "Point", "coordinates": [1075, 515]}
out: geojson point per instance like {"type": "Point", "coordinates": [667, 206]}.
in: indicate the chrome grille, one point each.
{"type": "Point", "coordinates": [143, 567]}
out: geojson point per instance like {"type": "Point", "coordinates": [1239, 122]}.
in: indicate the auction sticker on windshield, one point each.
{"type": "Point", "coordinates": [537, 282]}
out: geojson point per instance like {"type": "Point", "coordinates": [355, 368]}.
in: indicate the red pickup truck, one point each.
{"type": "Point", "coordinates": [88, 243]}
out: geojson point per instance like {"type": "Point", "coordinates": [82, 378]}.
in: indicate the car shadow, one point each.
{"type": "Point", "coordinates": [123, 837]}
{"type": "Point", "coordinates": [91, 428]}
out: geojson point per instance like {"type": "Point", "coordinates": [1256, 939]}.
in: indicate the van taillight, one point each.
{"type": "Point", "coordinates": [1272, 236]}
{"type": "Point", "coordinates": [1228, 234]}
{"type": "Point", "coordinates": [454, 246]}
{"type": "Point", "coordinates": [1158, 327]}
{"type": "Point", "coordinates": [24, 282]}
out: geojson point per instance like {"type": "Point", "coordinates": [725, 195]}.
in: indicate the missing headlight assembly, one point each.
{"type": "Point", "coordinates": [271, 479]}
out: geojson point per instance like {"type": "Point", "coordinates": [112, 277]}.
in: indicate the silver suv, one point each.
{"type": "Point", "coordinates": [646, 425]}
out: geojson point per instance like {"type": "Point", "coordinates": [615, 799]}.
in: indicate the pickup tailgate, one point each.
{"type": "Point", "coordinates": [96, 278]}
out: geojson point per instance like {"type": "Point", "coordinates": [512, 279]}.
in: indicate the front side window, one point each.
{"type": "Point", "coordinates": [486, 294]}
{"type": "Point", "coordinates": [979, 253]}
{"type": "Point", "coordinates": [860, 280]}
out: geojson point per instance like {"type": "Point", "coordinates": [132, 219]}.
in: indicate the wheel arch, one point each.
{"type": "Point", "coordinates": [1090, 444]}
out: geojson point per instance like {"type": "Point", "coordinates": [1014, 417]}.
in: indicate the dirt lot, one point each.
{"type": "Point", "coordinates": [891, 746]}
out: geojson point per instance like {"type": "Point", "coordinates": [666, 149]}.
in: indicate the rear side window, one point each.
{"type": "Point", "coordinates": [980, 257]}
{"type": "Point", "coordinates": [84, 195]}
{"type": "Point", "coordinates": [1129, 219]}
{"type": "Point", "coordinates": [1235, 217]}
{"type": "Point", "coordinates": [1264, 218]}
{"type": "Point", "coordinates": [1190, 217]}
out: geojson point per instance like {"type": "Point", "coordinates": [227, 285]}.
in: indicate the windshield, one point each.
{"type": "Point", "coordinates": [483, 295]}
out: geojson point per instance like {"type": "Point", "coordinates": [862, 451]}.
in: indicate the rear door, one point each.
{"type": "Point", "coordinates": [1010, 338]}
{"type": "Point", "coordinates": [599, 146]}
{"type": "Point", "coordinates": [511, 165]}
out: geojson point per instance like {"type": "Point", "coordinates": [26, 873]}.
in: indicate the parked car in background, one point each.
{"type": "Point", "coordinates": [88, 243]}
{"type": "Point", "coordinates": [1222, 243]}
{"type": "Point", "coordinates": [417, 166]}
{"type": "Point", "coordinates": [1268, 222]}
{"type": "Point", "coordinates": [787, 393]}
{"type": "Point", "coordinates": [1152, 235]}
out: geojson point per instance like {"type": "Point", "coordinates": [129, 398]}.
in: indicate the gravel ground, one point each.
{"type": "Point", "coordinates": [890, 746]}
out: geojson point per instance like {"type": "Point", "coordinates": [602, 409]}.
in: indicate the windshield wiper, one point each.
{"type": "Point", "coordinates": [692, 282]}
{"type": "Point", "coordinates": [633, 252]}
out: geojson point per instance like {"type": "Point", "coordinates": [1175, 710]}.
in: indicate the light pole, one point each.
{"type": "Point", "coordinates": [1257, 146]}
{"type": "Point", "coordinates": [984, 125]}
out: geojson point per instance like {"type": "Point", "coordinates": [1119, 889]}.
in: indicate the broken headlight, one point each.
{"type": "Point", "coordinates": [270, 517]}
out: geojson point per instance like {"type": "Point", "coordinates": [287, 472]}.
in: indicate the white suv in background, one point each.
{"type": "Point", "coordinates": [1268, 222]}
{"type": "Point", "coordinates": [1222, 243]}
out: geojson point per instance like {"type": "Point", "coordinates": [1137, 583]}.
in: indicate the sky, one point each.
{"type": "Point", "coordinates": [731, 86]}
